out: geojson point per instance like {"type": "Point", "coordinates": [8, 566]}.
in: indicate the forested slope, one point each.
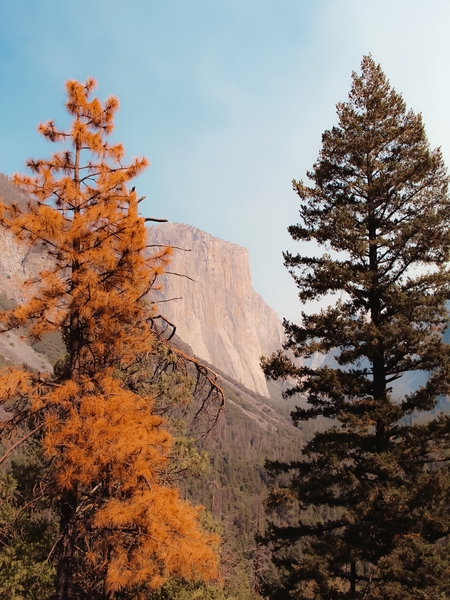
{"type": "Point", "coordinates": [252, 428]}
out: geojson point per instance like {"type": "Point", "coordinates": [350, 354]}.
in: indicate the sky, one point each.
{"type": "Point", "coordinates": [227, 99]}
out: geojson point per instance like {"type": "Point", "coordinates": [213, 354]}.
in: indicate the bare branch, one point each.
{"type": "Point", "coordinates": [169, 324]}
{"type": "Point", "coordinates": [180, 275]}
{"type": "Point", "coordinates": [167, 300]}
{"type": "Point", "coordinates": [19, 442]}
{"type": "Point", "coordinates": [168, 246]}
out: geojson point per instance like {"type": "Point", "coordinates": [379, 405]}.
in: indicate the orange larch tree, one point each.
{"type": "Point", "coordinates": [122, 524]}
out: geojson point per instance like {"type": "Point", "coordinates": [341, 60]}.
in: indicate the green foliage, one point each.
{"type": "Point", "coordinates": [235, 487]}
{"type": "Point", "coordinates": [377, 483]}
{"type": "Point", "coordinates": [28, 530]}
{"type": "Point", "coordinates": [415, 570]}
{"type": "Point", "coordinates": [180, 590]}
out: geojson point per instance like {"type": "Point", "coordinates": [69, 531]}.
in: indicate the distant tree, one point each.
{"type": "Point", "coordinates": [28, 530]}
{"type": "Point", "coordinates": [122, 524]}
{"type": "Point", "coordinates": [378, 482]}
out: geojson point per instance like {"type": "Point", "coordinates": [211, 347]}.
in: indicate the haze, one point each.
{"type": "Point", "coordinates": [228, 99]}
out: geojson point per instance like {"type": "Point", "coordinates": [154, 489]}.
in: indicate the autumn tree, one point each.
{"type": "Point", "coordinates": [122, 524]}
{"type": "Point", "coordinates": [378, 477]}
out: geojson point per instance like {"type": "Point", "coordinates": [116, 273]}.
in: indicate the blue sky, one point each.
{"type": "Point", "coordinates": [227, 99]}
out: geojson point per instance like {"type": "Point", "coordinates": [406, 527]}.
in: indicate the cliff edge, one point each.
{"type": "Point", "coordinates": [208, 295]}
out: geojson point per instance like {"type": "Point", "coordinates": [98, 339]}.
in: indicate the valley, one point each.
{"type": "Point", "coordinates": [221, 320]}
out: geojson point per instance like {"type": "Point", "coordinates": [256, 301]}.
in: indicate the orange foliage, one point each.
{"type": "Point", "coordinates": [108, 451]}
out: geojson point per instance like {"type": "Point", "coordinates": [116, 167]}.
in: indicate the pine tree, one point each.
{"type": "Point", "coordinates": [377, 477]}
{"type": "Point", "coordinates": [123, 526]}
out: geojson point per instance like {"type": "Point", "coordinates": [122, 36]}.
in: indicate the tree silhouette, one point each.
{"type": "Point", "coordinates": [379, 205]}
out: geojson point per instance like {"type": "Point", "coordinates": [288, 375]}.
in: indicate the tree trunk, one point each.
{"type": "Point", "coordinates": [67, 544]}
{"type": "Point", "coordinates": [353, 579]}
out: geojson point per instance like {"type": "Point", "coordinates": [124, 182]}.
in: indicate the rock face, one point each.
{"type": "Point", "coordinates": [19, 264]}
{"type": "Point", "coordinates": [213, 305]}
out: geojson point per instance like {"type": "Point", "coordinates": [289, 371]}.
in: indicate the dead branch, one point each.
{"type": "Point", "coordinates": [169, 324]}
{"type": "Point", "coordinates": [167, 300]}
{"type": "Point", "coordinates": [205, 376]}
{"type": "Point", "coordinates": [168, 246]}
{"type": "Point", "coordinates": [19, 442]}
{"type": "Point", "coordinates": [180, 275]}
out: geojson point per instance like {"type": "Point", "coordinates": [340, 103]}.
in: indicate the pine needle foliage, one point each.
{"type": "Point", "coordinates": [377, 479]}
{"type": "Point", "coordinates": [123, 526]}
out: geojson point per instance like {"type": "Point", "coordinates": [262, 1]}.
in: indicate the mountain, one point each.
{"type": "Point", "coordinates": [208, 295]}
{"type": "Point", "coordinates": [18, 264]}
{"type": "Point", "coordinates": [226, 323]}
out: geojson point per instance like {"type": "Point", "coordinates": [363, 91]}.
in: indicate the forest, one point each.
{"type": "Point", "coordinates": [132, 469]}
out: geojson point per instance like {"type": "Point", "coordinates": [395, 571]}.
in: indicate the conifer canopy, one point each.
{"type": "Point", "coordinates": [376, 478]}
{"type": "Point", "coordinates": [123, 526]}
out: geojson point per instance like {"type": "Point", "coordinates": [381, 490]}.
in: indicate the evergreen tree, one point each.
{"type": "Point", "coordinates": [122, 524]}
{"type": "Point", "coordinates": [378, 482]}
{"type": "Point", "coordinates": [28, 530]}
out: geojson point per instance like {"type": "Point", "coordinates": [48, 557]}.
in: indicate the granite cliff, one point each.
{"type": "Point", "coordinates": [207, 294]}
{"type": "Point", "coordinates": [18, 263]}
{"type": "Point", "coordinates": [210, 299]}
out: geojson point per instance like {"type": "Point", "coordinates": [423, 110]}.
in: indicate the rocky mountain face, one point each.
{"type": "Point", "coordinates": [18, 263]}
{"type": "Point", "coordinates": [208, 295]}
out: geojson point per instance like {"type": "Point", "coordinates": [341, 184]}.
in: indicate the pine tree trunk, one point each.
{"type": "Point", "coordinates": [353, 579]}
{"type": "Point", "coordinates": [67, 543]}
{"type": "Point", "coordinates": [378, 361]}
